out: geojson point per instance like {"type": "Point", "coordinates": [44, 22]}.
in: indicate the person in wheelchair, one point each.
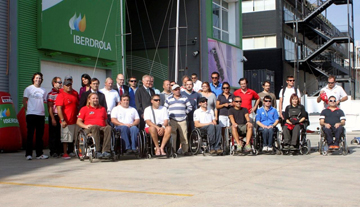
{"type": "Point", "coordinates": [126, 118]}
{"type": "Point", "coordinates": [267, 118]}
{"type": "Point", "coordinates": [93, 119]}
{"type": "Point", "coordinates": [295, 117]}
{"type": "Point", "coordinates": [205, 120]}
{"type": "Point", "coordinates": [332, 121]}
{"type": "Point", "coordinates": [157, 124]}
{"type": "Point", "coordinates": [240, 124]}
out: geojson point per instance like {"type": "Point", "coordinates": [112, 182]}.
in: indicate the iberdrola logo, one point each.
{"type": "Point", "coordinates": [5, 113]}
{"type": "Point", "coordinates": [77, 23]}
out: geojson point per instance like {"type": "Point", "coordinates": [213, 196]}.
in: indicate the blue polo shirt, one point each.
{"type": "Point", "coordinates": [267, 117]}
{"type": "Point", "coordinates": [217, 90]}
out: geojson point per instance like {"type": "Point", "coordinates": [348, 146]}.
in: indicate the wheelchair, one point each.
{"type": "Point", "coordinates": [258, 141]}
{"type": "Point", "coordinates": [303, 145]}
{"type": "Point", "coordinates": [85, 146]}
{"type": "Point", "coordinates": [147, 147]}
{"type": "Point", "coordinates": [231, 142]}
{"type": "Point", "coordinates": [199, 142]}
{"type": "Point", "coordinates": [120, 145]}
{"type": "Point", "coordinates": [324, 148]}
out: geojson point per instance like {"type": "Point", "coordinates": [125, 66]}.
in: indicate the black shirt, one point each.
{"type": "Point", "coordinates": [239, 115]}
{"type": "Point", "coordinates": [222, 98]}
{"type": "Point", "coordinates": [332, 117]}
{"type": "Point", "coordinates": [295, 112]}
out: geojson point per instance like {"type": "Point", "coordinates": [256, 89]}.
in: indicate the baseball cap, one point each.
{"type": "Point", "coordinates": [68, 77]}
{"type": "Point", "coordinates": [67, 81]}
{"type": "Point", "coordinates": [175, 86]}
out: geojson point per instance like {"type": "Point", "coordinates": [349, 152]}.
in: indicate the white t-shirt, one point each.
{"type": "Point", "coordinates": [204, 117]}
{"type": "Point", "coordinates": [197, 85]}
{"type": "Point", "coordinates": [125, 115]}
{"type": "Point", "coordinates": [161, 114]}
{"type": "Point", "coordinates": [287, 95]}
{"type": "Point", "coordinates": [36, 99]}
{"type": "Point", "coordinates": [337, 91]}
{"type": "Point", "coordinates": [112, 97]}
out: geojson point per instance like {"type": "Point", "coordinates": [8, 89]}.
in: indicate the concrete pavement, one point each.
{"type": "Point", "coordinates": [263, 180]}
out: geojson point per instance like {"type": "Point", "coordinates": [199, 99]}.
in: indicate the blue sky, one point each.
{"type": "Point", "coordinates": [338, 17]}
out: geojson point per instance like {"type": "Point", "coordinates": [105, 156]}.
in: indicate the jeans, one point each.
{"type": "Point", "coordinates": [214, 134]}
{"type": "Point", "coordinates": [55, 145]}
{"type": "Point", "coordinates": [333, 131]}
{"type": "Point", "coordinates": [34, 123]}
{"type": "Point", "coordinates": [267, 135]}
{"type": "Point", "coordinates": [126, 133]}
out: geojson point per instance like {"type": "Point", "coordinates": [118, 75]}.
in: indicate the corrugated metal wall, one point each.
{"type": "Point", "coordinates": [4, 79]}
{"type": "Point", "coordinates": [28, 55]}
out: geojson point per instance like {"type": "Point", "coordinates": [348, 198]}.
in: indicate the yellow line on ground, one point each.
{"type": "Point", "coordinates": [96, 189]}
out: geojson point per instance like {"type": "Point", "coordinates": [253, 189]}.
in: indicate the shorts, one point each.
{"type": "Point", "coordinates": [241, 129]}
{"type": "Point", "coordinates": [68, 133]}
{"type": "Point", "coordinates": [224, 121]}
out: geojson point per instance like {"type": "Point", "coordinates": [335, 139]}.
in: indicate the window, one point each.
{"type": "Point", "coordinates": [257, 5]}
{"type": "Point", "coordinates": [224, 25]}
{"type": "Point", "coordinates": [251, 43]}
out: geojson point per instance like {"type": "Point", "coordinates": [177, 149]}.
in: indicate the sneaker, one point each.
{"type": "Point", "coordinates": [106, 154]}
{"type": "Point", "coordinates": [247, 148]}
{"type": "Point", "coordinates": [212, 152]}
{"type": "Point", "coordinates": [335, 147]}
{"type": "Point", "coordinates": [331, 147]}
{"type": "Point", "coordinates": [66, 157]}
{"type": "Point", "coordinates": [286, 147]}
{"type": "Point", "coordinates": [187, 154]}
{"type": "Point", "coordinates": [219, 151]}
{"type": "Point", "coordinates": [135, 151]}
{"type": "Point", "coordinates": [179, 151]}
{"type": "Point", "coordinates": [128, 152]}
{"type": "Point", "coordinates": [292, 147]}
{"type": "Point", "coordinates": [71, 154]}
{"type": "Point", "coordinates": [42, 157]}
{"type": "Point", "coordinates": [270, 149]}
{"type": "Point", "coordinates": [238, 148]}
{"type": "Point", "coordinates": [55, 155]}
{"type": "Point", "coordinates": [29, 157]}
{"type": "Point", "coordinates": [99, 155]}
{"type": "Point", "coordinates": [265, 149]}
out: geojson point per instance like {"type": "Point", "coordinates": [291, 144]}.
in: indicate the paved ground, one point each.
{"type": "Point", "coordinates": [264, 180]}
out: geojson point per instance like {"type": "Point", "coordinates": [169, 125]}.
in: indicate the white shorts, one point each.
{"type": "Point", "coordinates": [224, 121]}
{"type": "Point", "coordinates": [68, 133]}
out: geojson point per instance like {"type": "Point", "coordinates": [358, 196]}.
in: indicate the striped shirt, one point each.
{"type": "Point", "coordinates": [178, 108]}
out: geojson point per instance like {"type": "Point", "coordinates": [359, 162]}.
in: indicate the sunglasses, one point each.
{"type": "Point", "coordinates": [332, 100]}
{"type": "Point", "coordinates": [237, 101]}
{"type": "Point", "coordinates": [267, 101]}
{"type": "Point", "coordinates": [214, 77]}
{"type": "Point", "coordinates": [60, 82]}
{"type": "Point", "coordinates": [291, 80]}
{"type": "Point", "coordinates": [331, 82]}
{"type": "Point", "coordinates": [156, 100]}
{"type": "Point", "coordinates": [225, 87]}
{"type": "Point", "coordinates": [132, 81]}
{"type": "Point", "coordinates": [68, 85]}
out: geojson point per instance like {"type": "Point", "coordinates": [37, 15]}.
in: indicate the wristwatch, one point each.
{"type": "Point", "coordinates": [62, 120]}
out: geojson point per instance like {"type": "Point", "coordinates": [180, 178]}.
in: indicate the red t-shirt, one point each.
{"type": "Point", "coordinates": [74, 92]}
{"type": "Point", "coordinates": [69, 103]}
{"type": "Point", "coordinates": [93, 116]}
{"type": "Point", "coordinates": [246, 98]}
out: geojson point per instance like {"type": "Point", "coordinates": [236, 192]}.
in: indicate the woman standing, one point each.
{"type": "Point", "coordinates": [223, 104]}
{"type": "Point", "coordinates": [85, 83]}
{"type": "Point", "coordinates": [211, 97]}
{"type": "Point", "coordinates": [33, 101]}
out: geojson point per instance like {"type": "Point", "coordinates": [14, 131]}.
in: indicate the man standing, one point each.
{"type": "Point", "coordinates": [194, 100]}
{"type": "Point", "coordinates": [240, 123]}
{"type": "Point", "coordinates": [54, 121]}
{"type": "Point", "coordinates": [197, 83]}
{"type": "Point", "coordinates": [205, 120]}
{"type": "Point", "coordinates": [332, 121]}
{"type": "Point", "coordinates": [67, 103]}
{"type": "Point", "coordinates": [285, 94]}
{"type": "Point", "coordinates": [267, 118]}
{"type": "Point", "coordinates": [157, 124]}
{"type": "Point", "coordinates": [266, 92]}
{"type": "Point", "coordinates": [112, 97]}
{"type": "Point", "coordinates": [119, 86]}
{"type": "Point", "coordinates": [215, 85]}
{"type": "Point", "coordinates": [332, 90]}
{"type": "Point", "coordinates": [166, 92]}
{"type": "Point", "coordinates": [94, 88]}
{"type": "Point", "coordinates": [126, 118]}
{"type": "Point", "coordinates": [143, 98]}
{"type": "Point", "coordinates": [247, 95]}
{"type": "Point", "coordinates": [92, 118]}
{"type": "Point", "coordinates": [152, 85]}
{"type": "Point", "coordinates": [179, 106]}
{"type": "Point", "coordinates": [132, 90]}
{"type": "Point", "coordinates": [184, 79]}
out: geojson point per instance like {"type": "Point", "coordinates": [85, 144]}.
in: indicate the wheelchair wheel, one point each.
{"type": "Point", "coordinates": [80, 146]}
{"type": "Point", "coordinates": [226, 141]}
{"type": "Point", "coordinates": [141, 146]}
{"type": "Point", "coordinates": [195, 142]}
{"type": "Point", "coordinates": [305, 149]}
{"type": "Point", "coordinates": [344, 147]}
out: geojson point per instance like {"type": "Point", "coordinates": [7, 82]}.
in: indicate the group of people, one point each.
{"type": "Point", "coordinates": [177, 110]}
